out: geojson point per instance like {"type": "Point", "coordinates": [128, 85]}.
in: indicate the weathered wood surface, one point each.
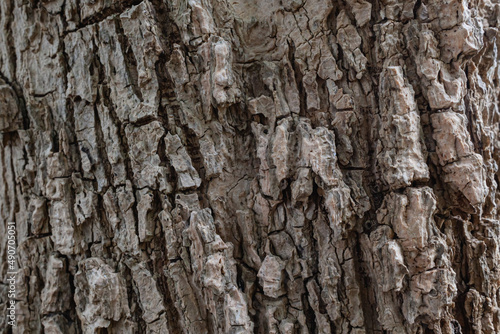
{"type": "Point", "coordinates": [261, 166]}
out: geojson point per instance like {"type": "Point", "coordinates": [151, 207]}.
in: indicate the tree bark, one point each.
{"type": "Point", "coordinates": [295, 166]}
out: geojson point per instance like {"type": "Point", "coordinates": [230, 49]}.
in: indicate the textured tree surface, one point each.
{"type": "Point", "coordinates": [251, 166]}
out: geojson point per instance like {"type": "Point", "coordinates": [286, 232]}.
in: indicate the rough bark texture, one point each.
{"type": "Point", "coordinates": [263, 166]}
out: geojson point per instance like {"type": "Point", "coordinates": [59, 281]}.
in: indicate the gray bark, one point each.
{"type": "Point", "coordinates": [294, 166]}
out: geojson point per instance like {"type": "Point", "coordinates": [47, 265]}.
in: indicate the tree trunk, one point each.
{"type": "Point", "coordinates": [250, 166]}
